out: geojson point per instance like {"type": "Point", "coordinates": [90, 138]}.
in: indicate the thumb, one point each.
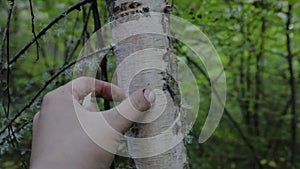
{"type": "Point", "coordinates": [122, 116]}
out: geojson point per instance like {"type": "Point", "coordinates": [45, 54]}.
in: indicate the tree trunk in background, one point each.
{"type": "Point", "coordinates": [292, 83]}
{"type": "Point", "coordinates": [151, 50]}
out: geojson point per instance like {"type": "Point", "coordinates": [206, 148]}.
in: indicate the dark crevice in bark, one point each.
{"type": "Point", "coordinates": [171, 86]}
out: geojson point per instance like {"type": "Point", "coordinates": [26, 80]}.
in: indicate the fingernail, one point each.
{"type": "Point", "coordinates": [149, 95]}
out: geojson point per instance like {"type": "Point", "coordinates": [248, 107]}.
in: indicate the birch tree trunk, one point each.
{"type": "Point", "coordinates": [145, 60]}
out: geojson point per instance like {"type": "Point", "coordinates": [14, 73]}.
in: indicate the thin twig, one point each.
{"type": "Point", "coordinates": [15, 144]}
{"type": "Point", "coordinates": [84, 29]}
{"type": "Point", "coordinates": [7, 58]}
{"type": "Point", "coordinates": [5, 33]}
{"type": "Point", "coordinates": [14, 140]}
{"type": "Point", "coordinates": [70, 41]}
{"type": "Point", "coordinates": [6, 39]}
{"type": "Point", "coordinates": [16, 131]}
{"type": "Point", "coordinates": [33, 30]}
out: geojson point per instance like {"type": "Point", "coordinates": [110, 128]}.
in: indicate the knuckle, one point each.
{"type": "Point", "coordinates": [140, 104]}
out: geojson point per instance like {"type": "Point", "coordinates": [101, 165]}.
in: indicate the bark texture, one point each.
{"type": "Point", "coordinates": [144, 59]}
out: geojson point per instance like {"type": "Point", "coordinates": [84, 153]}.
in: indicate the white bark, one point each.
{"type": "Point", "coordinates": [136, 50]}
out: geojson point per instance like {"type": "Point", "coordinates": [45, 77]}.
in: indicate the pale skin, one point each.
{"type": "Point", "coordinates": [59, 142]}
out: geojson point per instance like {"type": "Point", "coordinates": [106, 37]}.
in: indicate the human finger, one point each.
{"type": "Point", "coordinates": [82, 86]}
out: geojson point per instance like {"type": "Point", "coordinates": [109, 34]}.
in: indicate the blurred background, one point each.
{"type": "Point", "coordinates": [258, 43]}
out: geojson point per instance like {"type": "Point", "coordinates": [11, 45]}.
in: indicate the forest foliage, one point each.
{"type": "Point", "coordinates": [258, 43]}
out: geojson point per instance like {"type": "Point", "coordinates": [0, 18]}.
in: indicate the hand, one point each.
{"type": "Point", "coordinates": [59, 141]}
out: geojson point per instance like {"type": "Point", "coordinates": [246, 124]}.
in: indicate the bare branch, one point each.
{"type": "Point", "coordinates": [84, 29]}
{"type": "Point", "coordinates": [6, 39]}
{"type": "Point", "coordinates": [14, 140]}
{"type": "Point", "coordinates": [33, 30]}
{"type": "Point", "coordinates": [45, 29]}
{"type": "Point", "coordinates": [5, 34]}
{"type": "Point", "coordinates": [16, 131]}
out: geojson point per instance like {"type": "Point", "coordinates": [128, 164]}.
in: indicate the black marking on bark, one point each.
{"type": "Point", "coordinates": [168, 9]}
{"type": "Point", "coordinates": [116, 9]}
{"type": "Point", "coordinates": [146, 9]}
{"type": "Point", "coordinates": [186, 166]}
{"type": "Point", "coordinates": [133, 5]}
{"type": "Point", "coordinates": [172, 87]}
{"type": "Point", "coordinates": [134, 130]}
{"type": "Point", "coordinates": [130, 8]}
{"type": "Point", "coordinates": [170, 44]}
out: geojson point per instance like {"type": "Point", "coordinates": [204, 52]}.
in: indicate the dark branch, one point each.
{"type": "Point", "coordinates": [84, 29]}
{"type": "Point", "coordinates": [100, 43]}
{"type": "Point", "coordinates": [16, 131]}
{"type": "Point", "coordinates": [14, 140]}
{"type": "Point", "coordinates": [33, 30]}
{"type": "Point", "coordinates": [293, 90]}
{"type": "Point", "coordinates": [6, 39]}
